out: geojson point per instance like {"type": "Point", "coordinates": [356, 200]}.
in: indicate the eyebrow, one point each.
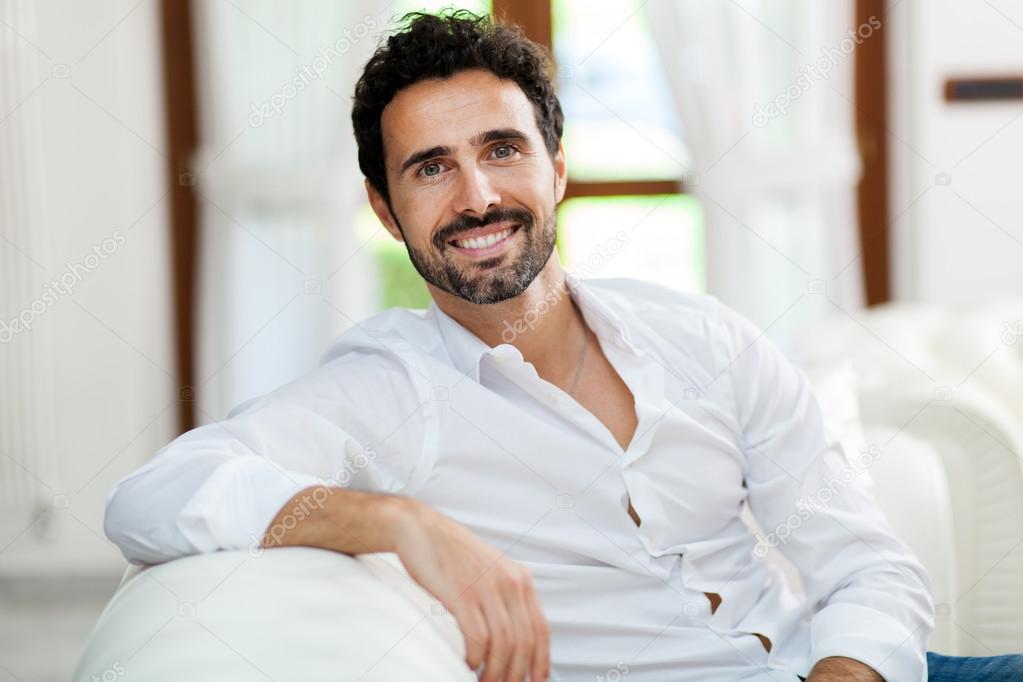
{"type": "Point", "coordinates": [478, 140]}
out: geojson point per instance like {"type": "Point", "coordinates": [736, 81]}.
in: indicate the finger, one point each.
{"type": "Point", "coordinates": [498, 645]}
{"type": "Point", "coordinates": [523, 635]}
{"type": "Point", "coordinates": [474, 631]}
{"type": "Point", "coordinates": [541, 667]}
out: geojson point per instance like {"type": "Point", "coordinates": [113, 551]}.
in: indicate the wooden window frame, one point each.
{"type": "Point", "coordinates": [181, 121]}
{"type": "Point", "coordinates": [870, 107]}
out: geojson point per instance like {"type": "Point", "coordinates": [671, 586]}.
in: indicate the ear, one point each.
{"type": "Point", "coordinates": [560, 174]}
{"type": "Point", "coordinates": [383, 211]}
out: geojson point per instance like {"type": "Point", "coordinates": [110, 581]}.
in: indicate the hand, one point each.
{"type": "Point", "coordinates": [491, 597]}
{"type": "Point", "coordinates": [835, 668]}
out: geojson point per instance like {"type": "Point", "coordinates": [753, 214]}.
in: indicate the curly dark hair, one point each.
{"type": "Point", "coordinates": [439, 46]}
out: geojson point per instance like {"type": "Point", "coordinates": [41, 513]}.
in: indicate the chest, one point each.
{"type": "Point", "coordinates": [602, 392]}
{"type": "Point", "coordinates": [514, 451]}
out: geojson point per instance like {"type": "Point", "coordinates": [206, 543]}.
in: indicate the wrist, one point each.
{"type": "Point", "coordinates": [842, 668]}
{"type": "Point", "coordinates": [401, 519]}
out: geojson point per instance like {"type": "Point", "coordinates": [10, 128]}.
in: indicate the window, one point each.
{"type": "Point", "coordinates": [625, 150]}
{"type": "Point", "coordinates": [620, 122]}
{"type": "Point", "coordinates": [655, 237]}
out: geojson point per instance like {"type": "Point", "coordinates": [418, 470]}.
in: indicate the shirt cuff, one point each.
{"type": "Point", "coordinates": [234, 507]}
{"type": "Point", "coordinates": [868, 636]}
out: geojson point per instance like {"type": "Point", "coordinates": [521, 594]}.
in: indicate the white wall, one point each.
{"type": "Point", "coordinates": [87, 391]}
{"type": "Point", "coordinates": [961, 241]}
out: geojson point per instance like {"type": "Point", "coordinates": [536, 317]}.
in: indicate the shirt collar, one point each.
{"type": "Point", "coordinates": [467, 350]}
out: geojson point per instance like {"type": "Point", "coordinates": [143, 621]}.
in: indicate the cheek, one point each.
{"type": "Point", "coordinates": [419, 235]}
{"type": "Point", "coordinates": [528, 186]}
{"type": "Point", "coordinates": [427, 204]}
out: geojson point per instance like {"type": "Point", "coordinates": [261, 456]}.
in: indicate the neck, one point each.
{"type": "Point", "coordinates": [542, 322]}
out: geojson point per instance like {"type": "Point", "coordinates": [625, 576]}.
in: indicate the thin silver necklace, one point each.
{"type": "Point", "coordinates": [579, 366]}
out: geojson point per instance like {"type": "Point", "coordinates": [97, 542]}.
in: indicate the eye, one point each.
{"type": "Point", "coordinates": [505, 151]}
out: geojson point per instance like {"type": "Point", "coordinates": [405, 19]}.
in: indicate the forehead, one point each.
{"type": "Point", "coordinates": [448, 112]}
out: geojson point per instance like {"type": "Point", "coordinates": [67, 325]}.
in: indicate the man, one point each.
{"type": "Point", "coordinates": [561, 463]}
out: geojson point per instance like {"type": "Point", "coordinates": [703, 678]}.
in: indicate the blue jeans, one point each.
{"type": "Point", "coordinates": [941, 668]}
{"type": "Point", "coordinates": [1006, 668]}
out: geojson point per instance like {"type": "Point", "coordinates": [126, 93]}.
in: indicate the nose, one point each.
{"type": "Point", "coordinates": [475, 193]}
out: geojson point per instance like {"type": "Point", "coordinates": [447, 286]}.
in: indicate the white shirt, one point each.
{"type": "Point", "coordinates": [411, 402]}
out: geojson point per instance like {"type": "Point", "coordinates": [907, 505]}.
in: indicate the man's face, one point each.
{"type": "Point", "coordinates": [473, 189]}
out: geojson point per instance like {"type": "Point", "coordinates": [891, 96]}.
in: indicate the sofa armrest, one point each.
{"type": "Point", "coordinates": [293, 613]}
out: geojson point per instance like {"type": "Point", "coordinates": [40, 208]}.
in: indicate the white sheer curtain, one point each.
{"type": "Point", "coordinates": [283, 270]}
{"type": "Point", "coordinates": [86, 363]}
{"type": "Point", "coordinates": [27, 399]}
{"type": "Point", "coordinates": [777, 183]}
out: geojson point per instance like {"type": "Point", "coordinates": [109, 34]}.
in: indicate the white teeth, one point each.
{"type": "Point", "coordinates": [484, 241]}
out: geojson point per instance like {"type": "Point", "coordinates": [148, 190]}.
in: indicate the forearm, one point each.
{"type": "Point", "coordinates": [491, 597]}
{"type": "Point", "coordinates": [835, 668]}
{"type": "Point", "coordinates": [339, 519]}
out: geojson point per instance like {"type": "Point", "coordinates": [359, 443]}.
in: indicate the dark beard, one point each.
{"type": "Point", "coordinates": [493, 283]}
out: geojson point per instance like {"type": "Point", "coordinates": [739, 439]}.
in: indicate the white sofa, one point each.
{"type": "Point", "coordinates": [295, 613]}
{"type": "Point", "coordinates": [949, 480]}
{"type": "Point", "coordinates": [940, 391]}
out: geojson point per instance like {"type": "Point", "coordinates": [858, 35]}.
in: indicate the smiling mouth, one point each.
{"type": "Point", "coordinates": [487, 244]}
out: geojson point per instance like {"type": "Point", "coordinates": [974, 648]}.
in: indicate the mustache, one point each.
{"type": "Point", "coordinates": [465, 223]}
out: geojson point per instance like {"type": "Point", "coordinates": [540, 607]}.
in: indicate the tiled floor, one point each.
{"type": "Point", "coordinates": [43, 627]}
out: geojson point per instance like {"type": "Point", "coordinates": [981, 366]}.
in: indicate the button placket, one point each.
{"type": "Point", "coordinates": [513, 367]}
{"type": "Point", "coordinates": [650, 407]}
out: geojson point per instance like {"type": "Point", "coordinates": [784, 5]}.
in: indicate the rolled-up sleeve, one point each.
{"type": "Point", "coordinates": [359, 421]}
{"type": "Point", "coordinates": [869, 596]}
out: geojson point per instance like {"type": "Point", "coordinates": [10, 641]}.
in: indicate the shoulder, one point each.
{"type": "Point", "coordinates": [664, 310]}
{"type": "Point", "coordinates": [371, 360]}
{"type": "Point", "coordinates": [395, 343]}
{"type": "Point", "coordinates": [645, 296]}
{"type": "Point", "coordinates": [709, 331]}
{"type": "Point", "coordinates": [649, 298]}
{"type": "Point", "coordinates": [384, 337]}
